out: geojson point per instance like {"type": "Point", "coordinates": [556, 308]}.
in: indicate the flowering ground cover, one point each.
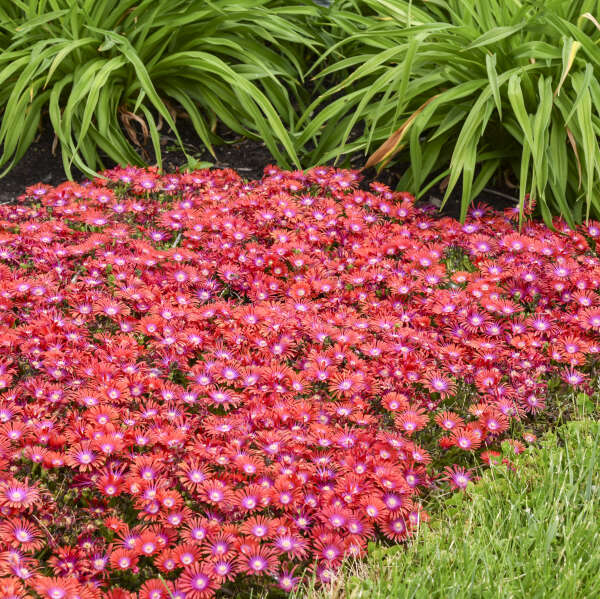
{"type": "Point", "coordinates": [524, 531]}
{"type": "Point", "coordinates": [209, 383]}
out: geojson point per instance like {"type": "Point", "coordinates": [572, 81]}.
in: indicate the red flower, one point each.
{"type": "Point", "coordinates": [256, 559]}
{"type": "Point", "coordinates": [198, 582]}
{"type": "Point", "coordinates": [466, 439]}
{"type": "Point", "coordinates": [21, 534]}
{"type": "Point", "coordinates": [12, 588]}
{"type": "Point", "coordinates": [123, 559]}
{"type": "Point", "coordinates": [20, 496]}
{"type": "Point", "coordinates": [55, 588]}
{"type": "Point", "coordinates": [449, 420]}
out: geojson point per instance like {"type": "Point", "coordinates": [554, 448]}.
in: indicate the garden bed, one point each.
{"type": "Point", "coordinates": [211, 383]}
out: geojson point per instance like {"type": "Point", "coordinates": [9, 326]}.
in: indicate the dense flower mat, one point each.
{"type": "Point", "coordinates": [207, 381]}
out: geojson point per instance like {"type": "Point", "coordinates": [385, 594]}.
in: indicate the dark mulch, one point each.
{"type": "Point", "coordinates": [41, 164]}
{"type": "Point", "coordinates": [247, 157]}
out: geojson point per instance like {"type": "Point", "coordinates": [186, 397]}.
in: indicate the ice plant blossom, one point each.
{"type": "Point", "coordinates": [204, 379]}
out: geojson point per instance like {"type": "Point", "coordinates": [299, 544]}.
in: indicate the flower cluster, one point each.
{"type": "Point", "coordinates": [205, 380]}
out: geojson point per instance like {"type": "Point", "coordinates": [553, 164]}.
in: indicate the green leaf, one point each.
{"type": "Point", "coordinates": [590, 149]}
{"type": "Point", "coordinates": [495, 35]}
{"type": "Point", "coordinates": [515, 97]}
{"type": "Point", "coordinates": [490, 63]}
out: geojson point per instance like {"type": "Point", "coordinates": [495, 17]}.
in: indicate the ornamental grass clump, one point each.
{"type": "Point", "coordinates": [466, 91]}
{"type": "Point", "coordinates": [208, 383]}
{"type": "Point", "coordinates": [109, 75]}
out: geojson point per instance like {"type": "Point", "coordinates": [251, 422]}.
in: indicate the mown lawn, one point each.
{"type": "Point", "coordinates": [529, 532]}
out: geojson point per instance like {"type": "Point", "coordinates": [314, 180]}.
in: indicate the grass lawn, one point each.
{"type": "Point", "coordinates": [533, 532]}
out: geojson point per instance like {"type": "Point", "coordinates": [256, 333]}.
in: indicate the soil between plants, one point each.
{"type": "Point", "coordinates": [247, 157]}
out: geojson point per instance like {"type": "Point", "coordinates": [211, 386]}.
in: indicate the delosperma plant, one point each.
{"type": "Point", "coordinates": [208, 382]}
